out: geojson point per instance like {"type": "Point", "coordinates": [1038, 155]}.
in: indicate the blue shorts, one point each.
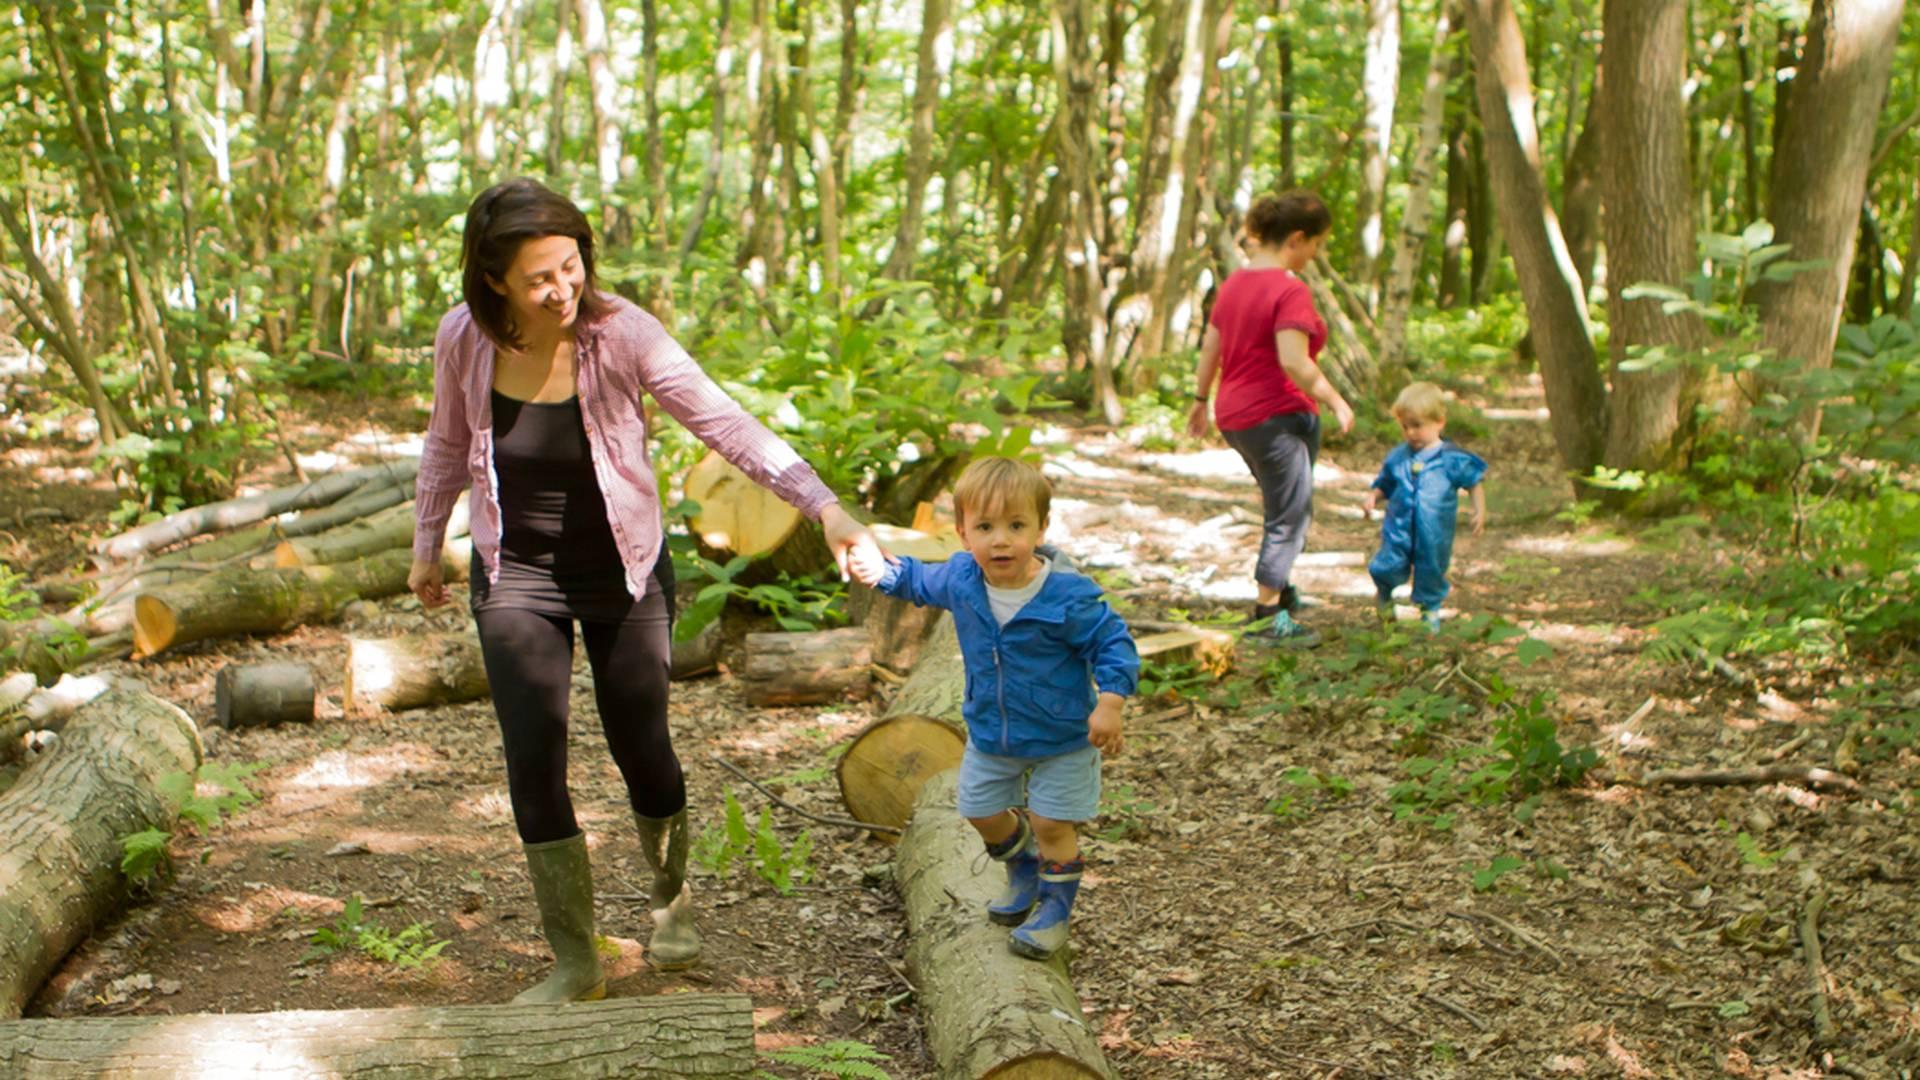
{"type": "Point", "coordinates": [1064, 787]}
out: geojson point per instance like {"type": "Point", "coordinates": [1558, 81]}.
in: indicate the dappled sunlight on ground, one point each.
{"type": "Point", "coordinates": [491, 808]}
{"type": "Point", "coordinates": [782, 729]}
{"type": "Point", "coordinates": [263, 906]}
{"type": "Point", "coordinates": [1564, 546]}
{"type": "Point", "coordinates": [338, 770]}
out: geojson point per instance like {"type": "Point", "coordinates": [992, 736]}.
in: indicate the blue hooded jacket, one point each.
{"type": "Point", "coordinates": [1030, 684]}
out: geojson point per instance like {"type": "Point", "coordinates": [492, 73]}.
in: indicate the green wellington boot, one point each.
{"type": "Point", "coordinates": [563, 886]}
{"type": "Point", "coordinates": [676, 942]}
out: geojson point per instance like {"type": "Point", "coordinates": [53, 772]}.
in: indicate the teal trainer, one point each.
{"type": "Point", "coordinates": [1432, 617]}
{"type": "Point", "coordinates": [1045, 931]}
{"type": "Point", "coordinates": [1286, 633]}
{"type": "Point", "coordinates": [1022, 858]}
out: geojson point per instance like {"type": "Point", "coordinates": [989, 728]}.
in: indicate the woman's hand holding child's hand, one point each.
{"type": "Point", "coordinates": [1103, 727]}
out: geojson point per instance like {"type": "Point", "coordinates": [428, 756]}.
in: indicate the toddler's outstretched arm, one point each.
{"type": "Point", "coordinates": [1479, 493]}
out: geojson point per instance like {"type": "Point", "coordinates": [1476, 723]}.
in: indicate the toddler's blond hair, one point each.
{"type": "Point", "coordinates": [1421, 401]}
{"type": "Point", "coordinates": [999, 484]}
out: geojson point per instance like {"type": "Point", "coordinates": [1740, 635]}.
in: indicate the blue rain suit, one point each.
{"type": "Point", "coordinates": [1416, 530]}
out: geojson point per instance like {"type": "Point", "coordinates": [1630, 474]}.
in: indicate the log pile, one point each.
{"type": "Point", "coordinates": [61, 824]}
{"type": "Point", "coordinates": [699, 1036]}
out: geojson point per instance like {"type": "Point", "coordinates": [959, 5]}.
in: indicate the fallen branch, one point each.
{"type": "Point", "coordinates": [1517, 933]}
{"type": "Point", "coordinates": [233, 513]}
{"type": "Point", "coordinates": [845, 823]}
{"type": "Point", "coordinates": [1455, 1008]}
{"type": "Point", "coordinates": [1761, 774]}
{"type": "Point", "coordinates": [1786, 748]}
{"type": "Point", "coordinates": [1816, 969]}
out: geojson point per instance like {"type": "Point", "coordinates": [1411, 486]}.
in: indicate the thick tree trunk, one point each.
{"type": "Point", "coordinates": [1085, 329]}
{"type": "Point", "coordinates": [717, 148]}
{"type": "Point", "coordinates": [934, 59]}
{"type": "Point", "coordinates": [989, 1013]}
{"type": "Point", "coordinates": [1649, 223]}
{"type": "Point", "coordinates": [1411, 250]}
{"type": "Point", "coordinates": [670, 1035]}
{"type": "Point", "coordinates": [62, 824]}
{"type": "Point", "coordinates": [1159, 237]}
{"type": "Point", "coordinates": [1820, 158]}
{"type": "Point", "coordinates": [739, 517]}
{"type": "Point", "coordinates": [239, 600]}
{"type": "Point", "coordinates": [609, 120]}
{"type": "Point", "coordinates": [897, 629]}
{"type": "Point", "coordinates": [807, 668]}
{"type": "Point", "coordinates": [412, 672]}
{"type": "Point", "coordinates": [263, 695]}
{"type": "Point", "coordinates": [1453, 235]}
{"type": "Point", "coordinates": [1557, 313]}
{"type": "Point", "coordinates": [373, 496]}
{"type": "Point", "coordinates": [920, 734]}
{"type": "Point", "coordinates": [1380, 83]}
{"type": "Point", "coordinates": [383, 531]}
{"type": "Point", "coordinates": [1580, 199]}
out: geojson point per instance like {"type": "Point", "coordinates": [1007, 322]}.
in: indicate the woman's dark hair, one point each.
{"type": "Point", "coordinates": [502, 218]}
{"type": "Point", "coordinates": [1273, 218]}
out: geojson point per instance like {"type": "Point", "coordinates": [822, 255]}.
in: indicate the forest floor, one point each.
{"type": "Point", "coordinates": [1253, 906]}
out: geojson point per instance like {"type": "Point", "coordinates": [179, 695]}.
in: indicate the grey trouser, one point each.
{"type": "Point", "coordinates": [1281, 451]}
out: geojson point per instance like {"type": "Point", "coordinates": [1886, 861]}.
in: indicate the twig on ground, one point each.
{"type": "Point", "coordinates": [1763, 774]}
{"type": "Point", "coordinates": [1185, 708]}
{"type": "Point", "coordinates": [1520, 935]}
{"type": "Point", "coordinates": [1816, 969]}
{"type": "Point", "coordinates": [1340, 1067]}
{"type": "Point", "coordinates": [1455, 1008]}
{"type": "Point", "coordinates": [1785, 748]}
{"type": "Point", "coordinates": [845, 823]}
{"type": "Point", "coordinates": [1378, 920]}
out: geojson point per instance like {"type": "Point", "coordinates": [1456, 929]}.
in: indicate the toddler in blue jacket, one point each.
{"type": "Point", "coordinates": [1049, 667]}
{"type": "Point", "coordinates": [1421, 481]}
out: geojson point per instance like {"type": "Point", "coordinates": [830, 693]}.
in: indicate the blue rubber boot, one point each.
{"type": "Point", "coordinates": [1022, 859]}
{"type": "Point", "coordinates": [1045, 931]}
{"type": "Point", "coordinates": [1432, 618]}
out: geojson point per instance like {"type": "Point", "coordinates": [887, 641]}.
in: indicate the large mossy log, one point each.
{"type": "Point", "coordinates": [656, 1038]}
{"type": "Point", "coordinates": [60, 830]}
{"type": "Point", "coordinates": [240, 600]}
{"type": "Point", "coordinates": [988, 1012]}
{"type": "Point", "coordinates": [920, 735]}
{"type": "Point", "coordinates": [739, 517]}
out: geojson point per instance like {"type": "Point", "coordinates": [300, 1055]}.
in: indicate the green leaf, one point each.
{"type": "Point", "coordinates": [1757, 235]}
{"type": "Point", "coordinates": [1531, 650]}
{"type": "Point", "coordinates": [1729, 1010]}
{"type": "Point", "coordinates": [1504, 632]}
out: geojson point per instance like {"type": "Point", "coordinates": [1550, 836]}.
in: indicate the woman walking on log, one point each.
{"type": "Point", "coordinates": [538, 379]}
{"type": "Point", "coordinates": [1261, 342]}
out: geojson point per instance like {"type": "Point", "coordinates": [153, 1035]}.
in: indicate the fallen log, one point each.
{"type": "Point", "coordinates": [263, 695]}
{"type": "Point", "coordinates": [739, 517]}
{"type": "Point", "coordinates": [807, 668]}
{"type": "Point", "coordinates": [45, 709]}
{"type": "Point", "coordinates": [920, 735]}
{"type": "Point", "coordinates": [417, 671]}
{"type": "Point", "coordinates": [1208, 650]}
{"type": "Point", "coordinates": [240, 600]}
{"type": "Point", "coordinates": [373, 496]}
{"type": "Point", "coordinates": [233, 513]}
{"type": "Point", "coordinates": [988, 1012]}
{"type": "Point", "coordinates": [60, 830]}
{"type": "Point", "coordinates": [382, 531]}
{"type": "Point", "coordinates": [671, 1035]}
{"type": "Point", "coordinates": [897, 628]}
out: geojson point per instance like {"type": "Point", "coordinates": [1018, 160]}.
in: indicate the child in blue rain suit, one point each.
{"type": "Point", "coordinates": [1421, 481]}
{"type": "Point", "coordinates": [1049, 667]}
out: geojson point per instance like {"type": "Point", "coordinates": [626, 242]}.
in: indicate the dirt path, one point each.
{"type": "Point", "coordinates": [1239, 920]}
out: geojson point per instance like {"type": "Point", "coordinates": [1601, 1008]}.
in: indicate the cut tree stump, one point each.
{"type": "Point", "coordinates": [60, 830]}
{"type": "Point", "coordinates": [988, 1012]}
{"type": "Point", "coordinates": [263, 695]}
{"type": "Point", "coordinates": [240, 600]}
{"type": "Point", "coordinates": [920, 735]}
{"type": "Point", "coordinates": [807, 668]}
{"type": "Point", "coordinates": [656, 1038]}
{"type": "Point", "coordinates": [413, 672]}
{"type": "Point", "coordinates": [897, 628]}
{"type": "Point", "coordinates": [1208, 650]}
{"type": "Point", "coordinates": [739, 517]}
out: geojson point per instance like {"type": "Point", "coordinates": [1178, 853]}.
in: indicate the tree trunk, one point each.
{"type": "Point", "coordinates": [1381, 83]}
{"type": "Point", "coordinates": [1820, 159]}
{"type": "Point", "coordinates": [1166, 230]}
{"type": "Point", "coordinates": [989, 1013]}
{"type": "Point", "coordinates": [655, 231]}
{"type": "Point", "coordinates": [62, 824]}
{"type": "Point", "coordinates": [1283, 24]}
{"type": "Point", "coordinates": [46, 708]}
{"type": "Point", "coordinates": [616, 227]}
{"type": "Point", "coordinates": [934, 60]}
{"type": "Point", "coordinates": [717, 150]}
{"type": "Point", "coordinates": [372, 497]}
{"type": "Point", "coordinates": [826, 180]}
{"type": "Point", "coordinates": [1085, 328]}
{"type": "Point", "coordinates": [1649, 224]}
{"type": "Point", "coordinates": [1453, 236]}
{"type": "Point", "coordinates": [896, 629]}
{"type": "Point", "coordinates": [1557, 313]}
{"type": "Point", "coordinates": [383, 531]}
{"type": "Point", "coordinates": [234, 513]}
{"type": "Point", "coordinates": [491, 89]}
{"type": "Point", "coordinates": [920, 734]}
{"type": "Point", "coordinates": [670, 1035]}
{"type": "Point", "coordinates": [1412, 248]}
{"type": "Point", "coordinates": [244, 601]}
{"type": "Point", "coordinates": [807, 668]}
{"type": "Point", "coordinates": [1580, 199]}
{"type": "Point", "coordinates": [1912, 268]}
{"type": "Point", "coordinates": [739, 517]}
{"type": "Point", "coordinates": [412, 672]}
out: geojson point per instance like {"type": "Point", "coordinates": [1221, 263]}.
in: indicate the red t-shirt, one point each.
{"type": "Point", "coordinates": [1253, 306]}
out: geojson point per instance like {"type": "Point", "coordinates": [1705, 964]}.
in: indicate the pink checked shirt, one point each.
{"type": "Point", "coordinates": [615, 359]}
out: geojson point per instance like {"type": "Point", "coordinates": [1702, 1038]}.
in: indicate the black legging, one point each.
{"type": "Point", "coordinates": [529, 659]}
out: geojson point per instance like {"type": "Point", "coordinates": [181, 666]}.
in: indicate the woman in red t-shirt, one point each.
{"type": "Point", "coordinates": [1261, 341]}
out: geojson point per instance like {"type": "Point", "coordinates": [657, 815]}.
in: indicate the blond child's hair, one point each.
{"type": "Point", "coordinates": [998, 484]}
{"type": "Point", "coordinates": [1421, 401]}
